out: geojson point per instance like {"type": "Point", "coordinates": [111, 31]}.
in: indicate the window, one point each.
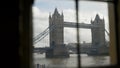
{"type": "Point", "coordinates": [113, 48]}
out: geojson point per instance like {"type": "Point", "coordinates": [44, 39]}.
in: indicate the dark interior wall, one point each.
{"type": "Point", "coordinates": [9, 35]}
{"type": "Point", "coordinates": [118, 27]}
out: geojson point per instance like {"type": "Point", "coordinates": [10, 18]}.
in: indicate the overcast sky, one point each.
{"type": "Point", "coordinates": [87, 11]}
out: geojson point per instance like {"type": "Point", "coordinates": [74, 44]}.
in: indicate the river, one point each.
{"type": "Point", "coordinates": [86, 61]}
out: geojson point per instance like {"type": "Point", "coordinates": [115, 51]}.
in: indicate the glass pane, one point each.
{"type": "Point", "coordinates": [94, 33]}
{"type": "Point", "coordinates": [52, 34]}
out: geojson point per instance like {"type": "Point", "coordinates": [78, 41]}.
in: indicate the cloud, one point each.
{"type": "Point", "coordinates": [69, 15]}
{"type": "Point", "coordinates": [40, 22]}
{"type": "Point", "coordinates": [70, 35]}
{"type": "Point", "coordinates": [39, 14]}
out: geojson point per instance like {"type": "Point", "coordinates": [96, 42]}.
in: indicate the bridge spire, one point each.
{"type": "Point", "coordinates": [103, 19]}
{"type": "Point", "coordinates": [97, 17]}
{"type": "Point", "coordinates": [49, 15]}
{"type": "Point", "coordinates": [56, 11]}
{"type": "Point", "coordinates": [62, 15]}
{"type": "Point", "coordinates": [91, 20]}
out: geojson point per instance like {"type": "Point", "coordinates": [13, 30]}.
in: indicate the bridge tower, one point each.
{"type": "Point", "coordinates": [98, 35]}
{"type": "Point", "coordinates": [56, 24]}
{"type": "Point", "coordinates": [56, 36]}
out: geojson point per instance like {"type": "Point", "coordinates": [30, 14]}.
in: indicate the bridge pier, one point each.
{"type": "Point", "coordinates": [57, 52]}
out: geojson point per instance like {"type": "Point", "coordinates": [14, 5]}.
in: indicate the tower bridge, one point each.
{"type": "Point", "coordinates": [57, 47]}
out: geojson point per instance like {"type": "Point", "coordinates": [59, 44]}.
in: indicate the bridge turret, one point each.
{"type": "Point", "coordinates": [56, 14]}
{"type": "Point", "coordinates": [62, 15]}
{"type": "Point", "coordinates": [103, 19]}
{"type": "Point", "coordinates": [49, 16]}
{"type": "Point", "coordinates": [91, 21]}
{"type": "Point", "coordinates": [56, 11]}
{"type": "Point", "coordinates": [97, 17]}
{"type": "Point", "coordinates": [97, 20]}
{"type": "Point", "coordinates": [50, 23]}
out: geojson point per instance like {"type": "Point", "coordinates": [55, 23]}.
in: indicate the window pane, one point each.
{"type": "Point", "coordinates": [52, 33]}
{"type": "Point", "coordinates": [94, 33]}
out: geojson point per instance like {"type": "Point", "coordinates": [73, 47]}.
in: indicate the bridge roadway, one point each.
{"type": "Point", "coordinates": [81, 25]}
{"type": "Point", "coordinates": [71, 50]}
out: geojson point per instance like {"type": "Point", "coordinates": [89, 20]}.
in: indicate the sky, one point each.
{"type": "Point", "coordinates": [87, 11]}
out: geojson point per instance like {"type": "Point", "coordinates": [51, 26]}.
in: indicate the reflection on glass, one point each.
{"type": "Point", "coordinates": [54, 34]}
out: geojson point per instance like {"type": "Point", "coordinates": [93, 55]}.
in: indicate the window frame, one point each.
{"type": "Point", "coordinates": [25, 30]}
